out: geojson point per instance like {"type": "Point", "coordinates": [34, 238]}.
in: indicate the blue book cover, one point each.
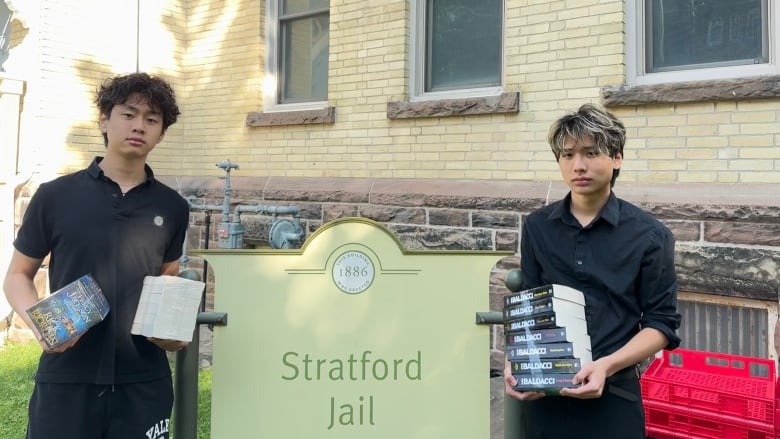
{"type": "Point", "coordinates": [69, 311]}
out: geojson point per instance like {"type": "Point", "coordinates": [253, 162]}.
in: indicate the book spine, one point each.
{"type": "Point", "coordinates": [528, 308]}
{"type": "Point", "coordinates": [539, 321]}
{"type": "Point", "coordinates": [533, 351]}
{"type": "Point", "coordinates": [528, 295]}
{"type": "Point", "coordinates": [544, 382]}
{"type": "Point", "coordinates": [550, 365]}
{"type": "Point", "coordinates": [552, 335]}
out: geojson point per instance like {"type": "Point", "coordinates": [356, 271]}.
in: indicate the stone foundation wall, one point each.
{"type": "Point", "coordinates": [728, 236]}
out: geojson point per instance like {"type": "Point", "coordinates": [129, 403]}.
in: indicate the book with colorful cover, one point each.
{"type": "Point", "coordinates": [69, 311]}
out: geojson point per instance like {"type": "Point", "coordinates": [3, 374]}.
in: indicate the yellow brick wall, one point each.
{"type": "Point", "coordinates": [63, 51]}
{"type": "Point", "coordinates": [557, 55]}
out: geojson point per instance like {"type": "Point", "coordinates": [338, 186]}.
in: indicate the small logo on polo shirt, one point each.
{"type": "Point", "coordinates": [158, 221]}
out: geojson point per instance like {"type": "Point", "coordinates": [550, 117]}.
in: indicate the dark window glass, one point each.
{"type": "Point", "coordinates": [690, 34]}
{"type": "Point", "coordinates": [463, 44]}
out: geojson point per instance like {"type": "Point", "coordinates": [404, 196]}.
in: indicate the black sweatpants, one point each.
{"type": "Point", "coordinates": [88, 411]}
{"type": "Point", "coordinates": [618, 414]}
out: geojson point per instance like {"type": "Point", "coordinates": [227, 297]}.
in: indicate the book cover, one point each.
{"type": "Point", "coordinates": [548, 383]}
{"type": "Point", "coordinates": [548, 365]}
{"type": "Point", "coordinates": [168, 308]}
{"type": "Point", "coordinates": [539, 321]}
{"type": "Point", "coordinates": [69, 311]}
{"type": "Point", "coordinates": [550, 335]}
{"type": "Point", "coordinates": [534, 352]}
{"type": "Point", "coordinates": [552, 290]}
{"type": "Point", "coordinates": [544, 305]}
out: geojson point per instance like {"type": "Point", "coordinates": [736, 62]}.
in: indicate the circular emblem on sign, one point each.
{"type": "Point", "coordinates": [353, 272]}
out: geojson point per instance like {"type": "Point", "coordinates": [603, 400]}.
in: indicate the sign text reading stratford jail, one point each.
{"type": "Point", "coordinates": [354, 367]}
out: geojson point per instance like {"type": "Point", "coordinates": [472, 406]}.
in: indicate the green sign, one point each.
{"type": "Point", "coordinates": [351, 337]}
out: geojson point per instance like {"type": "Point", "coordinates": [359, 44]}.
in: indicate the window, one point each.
{"type": "Point", "coordinates": [457, 48]}
{"type": "Point", "coordinates": [673, 40]}
{"type": "Point", "coordinates": [5, 32]}
{"type": "Point", "coordinates": [297, 57]}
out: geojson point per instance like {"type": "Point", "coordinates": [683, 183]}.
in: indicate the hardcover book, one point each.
{"type": "Point", "coordinates": [69, 311]}
{"type": "Point", "coordinates": [168, 308]}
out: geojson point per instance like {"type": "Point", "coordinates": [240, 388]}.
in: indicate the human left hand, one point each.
{"type": "Point", "coordinates": [592, 377]}
{"type": "Point", "coordinates": [169, 345]}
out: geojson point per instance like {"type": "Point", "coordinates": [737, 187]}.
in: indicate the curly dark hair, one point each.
{"type": "Point", "coordinates": [157, 91]}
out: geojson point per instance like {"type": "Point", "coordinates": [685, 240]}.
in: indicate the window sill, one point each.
{"type": "Point", "coordinates": [302, 117]}
{"type": "Point", "coordinates": [503, 103]}
{"type": "Point", "coordinates": [759, 87]}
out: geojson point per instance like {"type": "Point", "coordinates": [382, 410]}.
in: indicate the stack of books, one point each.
{"type": "Point", "coordinates": [547, 339]}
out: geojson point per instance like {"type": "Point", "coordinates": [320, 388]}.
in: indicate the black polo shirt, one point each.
{"type": "Point", "coordinates": [623, 262]}
{"type": "Point", "coordinates": [87, 226]}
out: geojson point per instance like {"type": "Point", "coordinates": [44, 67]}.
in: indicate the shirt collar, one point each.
{"type": "Point", "coordinates": [609, 213]}
{"type": "Point", "coordinates": [95, 172]}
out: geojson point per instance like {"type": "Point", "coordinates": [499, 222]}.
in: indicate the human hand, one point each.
{"type": "Point", "coordinates": [510, 382]}
{"type": "Point", "coordinates": [592, 378]}
{"type": "Point", "coordinates": [168, 345]}
{"type": "Point", "coordinates": [61, 348]}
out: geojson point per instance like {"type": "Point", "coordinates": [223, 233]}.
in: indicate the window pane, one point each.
{"type": "Point", "coordinates": [705, 33]}
{"type": "Point", "coordinates": [298, 6]}
{"type": "Point", "coordinates": [304, 61]}
{"type": "Point", "coordinates": [463, 44]}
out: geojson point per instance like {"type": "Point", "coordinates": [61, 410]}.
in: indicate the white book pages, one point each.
{"type": "Point", "coordinates": [168, 308]}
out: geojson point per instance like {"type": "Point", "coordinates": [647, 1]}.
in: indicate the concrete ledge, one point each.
{"type": "Point", "coordinates": [493, 194]}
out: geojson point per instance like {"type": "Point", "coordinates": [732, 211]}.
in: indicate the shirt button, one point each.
{"type": "Point", "coordinates": [579, 262]}
{"type": "Point", "coordinates": [115, 195]}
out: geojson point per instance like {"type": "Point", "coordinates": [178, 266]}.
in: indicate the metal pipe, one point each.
{"type": "Point", "coordinates": [266, 209]}
{"type": "Point", "coordinates": [185, 385]}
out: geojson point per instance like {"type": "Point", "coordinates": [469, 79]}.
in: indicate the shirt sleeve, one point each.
{"type": "Point", "coordinates": [34, 236]}
{"type": "Point", "coordinates": [530, 269]}
{"type": "Point", "coordinates": [176, 245]}
{"type": "Point", "coordinates": [658, 287]}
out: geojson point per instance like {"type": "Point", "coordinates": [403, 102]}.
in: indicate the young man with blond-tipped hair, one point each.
{"type": "Point", "coordinates": [622, 259]}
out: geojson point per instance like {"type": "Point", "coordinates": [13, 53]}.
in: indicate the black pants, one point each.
{"type": "Point", "coordinates": [88, 411]}
{"type": "Point", "coordinates": [618, 414]}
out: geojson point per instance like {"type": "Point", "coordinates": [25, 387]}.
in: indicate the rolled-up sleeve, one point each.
{"type": "Point", "coordinates": [658, 287]}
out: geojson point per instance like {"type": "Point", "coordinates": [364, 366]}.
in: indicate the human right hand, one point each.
{"type": "Point", "coordinates": [61, 348]}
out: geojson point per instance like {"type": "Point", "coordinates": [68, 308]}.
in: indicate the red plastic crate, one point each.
{"type": "Point", "coordinates": [706, 395]}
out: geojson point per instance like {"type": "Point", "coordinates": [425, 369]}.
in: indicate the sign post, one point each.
{"type": "Point", "coordinates": [351, 337]}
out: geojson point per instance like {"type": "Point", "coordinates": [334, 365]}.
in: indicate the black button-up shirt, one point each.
{"type": "Point", "coordinates": [623, 262]}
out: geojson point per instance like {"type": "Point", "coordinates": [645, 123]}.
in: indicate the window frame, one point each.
{"type": "Point", "coordinates": [417, 57]}
{"type": "Point", "coordinates": [5, 33]}
{"type": "Point", "coordinates": [636, 54]}
{"type": "Point", "coordinates": [273, 70]}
